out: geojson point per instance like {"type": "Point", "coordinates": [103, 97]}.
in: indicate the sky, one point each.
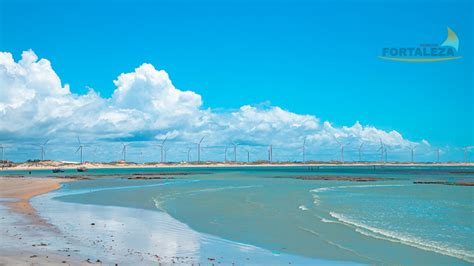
{"type": "Point", "coordinates": [298, 68]}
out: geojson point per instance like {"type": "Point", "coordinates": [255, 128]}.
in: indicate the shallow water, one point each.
{"type": "Point", "coordinates": [390, 221]}
{"type": "Point", "coordinates": [132, 236]}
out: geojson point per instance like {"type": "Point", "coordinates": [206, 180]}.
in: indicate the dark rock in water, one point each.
{"type": "Point", "coordinates": [333, 177]}
{"type": "Point", "coordinates": [434, 182]}
{"type": "Point", "coordinates": [92, 223]}
{"type": "Point", "coordinates": [78, 177]}
{"type": "Point", "coordinates": [149, 177]}
{"type": "Point", "coordinates": [462, 173]}
{"type": "Point", "coordinates": [170, 173]}
{"type": "Point", "coordinates": [39, 245]}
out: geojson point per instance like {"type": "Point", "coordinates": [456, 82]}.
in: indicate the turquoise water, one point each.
{"type": "Point", "coordinates": [390, 221]}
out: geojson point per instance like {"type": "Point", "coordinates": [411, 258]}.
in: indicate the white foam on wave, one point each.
{"type": "Point", "coordinates": [316, 191]}
{"type": "Point", "coordinates": [303, 208]}
{"type": "Point", "coordinates": [324, 220]}
{"type": "Point", "coordinates": [321, 189]}
{"type": "Point", "coordinates": [336, 244]}
{"type": "Point", "coordinates": [158, 204]}
{"type": "Point", "coordinates": [405, 239]}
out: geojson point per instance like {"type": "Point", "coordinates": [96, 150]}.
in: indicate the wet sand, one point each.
{"type": "Point", "coordinates": [18, 215]}
{"type": "Point", "coordinates": [21, 190]}
{"type": "Point", "coordinates": [83, 234]}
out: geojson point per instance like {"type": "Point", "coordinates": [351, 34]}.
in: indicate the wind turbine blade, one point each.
{"type": "Point", "coordinates": [78, 149]}
{"type": "Point", "coordinates": [163, 143]}
{"type": "Point", "coordinates": [79, 140]}
{"type": "Point", "coordinates": [201, 140]}
{"type": "Point", "coordinates": [46, 142]}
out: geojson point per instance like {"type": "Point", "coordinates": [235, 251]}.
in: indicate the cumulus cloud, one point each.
{"type": "Point", "coordinates": [146, 106]}
{"type": "Point", "coordinates": [152, 93]}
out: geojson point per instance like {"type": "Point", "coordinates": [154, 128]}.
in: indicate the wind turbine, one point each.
{"type": "Point", "coordinates": [164, 152]}
{"type": "Point", "coordinates": [42, 146]}
{"type": "Point", "coordinates": [412, 149]}
{"type": "Point", "coordinates": [304, 145]}
{"type": "Point", "coordinates": [80, 147]}
{"type": "Point", "coordinates": [235, 152]}
{"type": "Point", "coordinates": [225, 154]}
{"type": "Point", "coordinates": [382, 150]}
{"type": "Point", "coordinates": [1, 147]}
{"type": "Point", "coordinates": [466, 151]}
{"type": "Point", "coordinates": [360, 151]}
{"type": "Point", "coordinates": [94, 153]}
{"type": "Point", "coordinates": [270, 153]}
{"type": "Point", "coordinates": [162, 146]}
{"type": "Point", "coordinates": [437, 154]}
{"type": "Point", "coordinates": [342, 150]}
{"type": "Point", "coordinates": [124, 151]}
{"type": "Point", "coordinates": [199, 149]}
{"type": "Point", "coordinates": [189, 154]}
{"type": "Point", "coordinates": [248, 156]}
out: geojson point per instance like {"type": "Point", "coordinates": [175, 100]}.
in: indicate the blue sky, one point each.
{"type": "Point", "coordinates": [308, 57]}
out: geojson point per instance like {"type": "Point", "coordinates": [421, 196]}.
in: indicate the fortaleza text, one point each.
{"type": "Point", "coordinates": [419, 51]}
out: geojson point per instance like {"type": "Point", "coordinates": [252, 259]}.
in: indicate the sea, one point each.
{"type": "Point", "coordinates": [267, 216]}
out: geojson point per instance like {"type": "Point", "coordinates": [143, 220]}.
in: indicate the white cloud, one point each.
{"type": "Point", "coordinates": [145, 106]}
{"type": "Point", "coordinates": [151, 92]}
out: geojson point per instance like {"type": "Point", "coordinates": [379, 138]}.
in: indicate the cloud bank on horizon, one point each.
{"type": "Point", "coordinates": [145, 107]}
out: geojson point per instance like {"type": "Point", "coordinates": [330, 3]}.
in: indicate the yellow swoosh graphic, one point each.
{"type": "Point", "coordinates": [420, 60]}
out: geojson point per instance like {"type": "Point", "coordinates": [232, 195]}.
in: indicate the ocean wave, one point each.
{"type": "Point", "coordinates": [158, 204]}
{"type": "Point", "coordinates": [321, 189]}
{"type": "Point", "coordinates": [220, 189]}
{"type": "Point", "coordinates": [324, 220]}
{"type": "Point", "coordinates": [337, 245]}
{"type": "Point", "coordinates": [64, 191]}
{"type": "Point", "coordinates": [316, 191]}
{"type": "Point", "coordinates": [405, 239]}
{"type": "Point", "coordinates": [159, 201]}
{"type": "Point", "coordinates": [303, 208]}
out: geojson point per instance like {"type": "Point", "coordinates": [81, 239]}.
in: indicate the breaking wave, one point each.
{"type": "Point", "coordinates": [303, 208]}
{"type": "Point", "coordinates": [404, 238]}
{"type": "Point", "coordinates": [389, 235]}
{"type": "Point", "coordinates": [316, 191]}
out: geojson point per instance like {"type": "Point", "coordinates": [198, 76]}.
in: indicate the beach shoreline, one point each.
{"type": "Point", "coordinates": [18, 215]}
{"type": "Point", "coordinates": [50, 165]}
{"type": "Point", "coordinates": [21, 190]}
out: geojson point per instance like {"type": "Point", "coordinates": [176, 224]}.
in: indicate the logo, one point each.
{"type": "Point", "coordinates": [448, 50]}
